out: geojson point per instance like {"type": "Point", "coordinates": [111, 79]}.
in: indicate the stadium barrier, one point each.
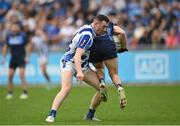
{"type": "Point", "coordinates": [157, 66]}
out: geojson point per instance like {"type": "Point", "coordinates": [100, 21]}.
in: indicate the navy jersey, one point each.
{"type": "Point", "coordinates": [103, 47]}
{"type": "Point", "coordinates": [105, 38]}
{"type": "Point", "coordinates": [17, 43]}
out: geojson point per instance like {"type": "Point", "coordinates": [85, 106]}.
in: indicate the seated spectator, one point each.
{"type": "Point", "coordinates": [171, 39]}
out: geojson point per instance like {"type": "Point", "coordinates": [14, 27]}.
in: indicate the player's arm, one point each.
{"type": "Point", "coordinates": [77, 62]}
{"type": "Point", "coordinates": [4, 53]}
{"type": "Point", "coordinates": [84, 43]}
{"type": "Point", "coordinates": [28, 51]}
{"type": "Point", "coordinates": [122, 34]}
{"type": "Point", "coordinates": [28, 47]}
{"type": "Point", "coordinates": [5, 49]}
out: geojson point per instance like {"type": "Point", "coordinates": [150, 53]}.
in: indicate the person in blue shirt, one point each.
{"type": "Point", "coordinates": [16, 41]}
{"type": "Point", "coordinates": [104, 51]}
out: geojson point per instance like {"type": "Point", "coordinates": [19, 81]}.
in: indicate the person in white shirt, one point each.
{"type": "Point", "coordinates": [39, 43]}
{"type": "Point", "coordinates": [75, 62]}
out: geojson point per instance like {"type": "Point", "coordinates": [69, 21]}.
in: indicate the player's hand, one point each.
{"type": "Point", "coordinates": [122, 50]}
{"type": "Point", "coordinates": [3, 61]}
{"type": "Point", "coordinates": [26, 60]}
{"type": "Point", "coordinates": [80, 76]}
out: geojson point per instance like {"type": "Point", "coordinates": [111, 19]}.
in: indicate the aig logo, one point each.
{"type": "Point", "coordinates": [151, 66]}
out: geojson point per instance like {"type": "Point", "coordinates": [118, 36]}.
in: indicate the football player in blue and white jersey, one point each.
{"type": "Point", "coordinates": [16, 41]}
{"type": "Point", "coordinates": [75, 62]}
{"type": "Point", "coordinates": [39, 42]}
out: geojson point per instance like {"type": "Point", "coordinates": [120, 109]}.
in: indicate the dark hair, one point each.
{"type": "Point", "coordinates": [49, 17]}
{"type": "Point", "coordinates": [101, 17]}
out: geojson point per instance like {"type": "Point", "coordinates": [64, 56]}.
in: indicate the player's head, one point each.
{"type": "Point", "coordinates": [15, 27]}
{"type": "Point", "coordinates": [100, 23]}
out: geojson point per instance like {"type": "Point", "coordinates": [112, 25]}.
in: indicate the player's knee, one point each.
{"type": "Point", "coordinates": [43, 68]}
{"type": "Point", "coordinates": [96, 85]}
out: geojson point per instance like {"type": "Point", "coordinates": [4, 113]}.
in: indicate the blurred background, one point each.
{"type": "Point", "coordinates": [152, 29]}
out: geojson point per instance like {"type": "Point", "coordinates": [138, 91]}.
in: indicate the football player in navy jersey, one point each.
{"type": "Point", "coordinates": [75, 62]}
{"type": "Point", "coordinates": [16, 41]}
{"type": "Point", "coordinates": [104, 51]}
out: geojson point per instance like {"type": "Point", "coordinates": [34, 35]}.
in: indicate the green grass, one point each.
{"type": "Point", "coordinates": [147, 105]}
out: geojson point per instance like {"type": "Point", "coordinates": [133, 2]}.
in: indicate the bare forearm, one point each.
{"type": "Point", "coordinates": [28, 49]}
{"type": "Point", "coordinates": [77, 62]}
{"type": "Point", "coordinates": [123, 41]}
{"type": "Point", "coordinates": [4, 51]}
{"type": "Point", "coordinates": [122, 34]}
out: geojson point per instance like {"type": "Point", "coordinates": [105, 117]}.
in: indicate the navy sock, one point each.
{"type": "Point", "coordinates": [91, 113]}
{"type": "Point", "coordinates": [119, 85]}
{"type": "Point", "coordinates": [10, 92]}
{"type": "Point", "coordinates": [52, 113]}
{"type": "Point", "coordinates": [25, 91]}
{"type": "Point", "coordinates": [101, 80]}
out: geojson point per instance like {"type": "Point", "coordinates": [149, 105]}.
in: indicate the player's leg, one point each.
{"type": "Point", "coordinates": [100, 73]}
{"type": "Point", "coordinates": [91, 79]}
{"type": "Point", "coordinates": [10, 83]}
{"type": "Point", "coordinates": [46, 75]}
{"type": "Point", "coordinates": [22, 64]}
{"type": "Point", "coordinates": [12, 69]}
{"type": "Point", "coordinates": [66, 84]}
{"type": "Point", "coordinates": [43, 64]}
{"type": "Point", "coordinates": [112, 66]}
{"type": "Point", "coordinates": [44, 71]}
{"type": "Point", "coordinates": [24, 95]}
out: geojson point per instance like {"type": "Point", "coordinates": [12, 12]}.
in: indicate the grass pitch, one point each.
{"type": "Point", "coordinates": [147, 105]}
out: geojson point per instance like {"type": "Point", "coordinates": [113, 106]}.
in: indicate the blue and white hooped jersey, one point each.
{"type": "Point", "coordinates": [82, 39]}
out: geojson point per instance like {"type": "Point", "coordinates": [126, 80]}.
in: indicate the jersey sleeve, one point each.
{"type": "Point", "coordinates": [111, 25]}
{"type": "Point", "coordinates": [110, 28]}
{"type": "Point", "coordinates": [85, 42]}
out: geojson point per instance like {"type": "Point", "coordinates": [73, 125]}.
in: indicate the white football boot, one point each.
{"type": "Point", "coordinates": [91, 119]}
{"type": "Point", "coordinates": [9, 96]}
{"type": "Point", "coordinates": [23, 96]}
{"type": "Point", "coordinates": [122, 97]}
{"type": "Point", "coordinates": [103, 92]}
{"type": "Point", "coordinates": [50, 119]}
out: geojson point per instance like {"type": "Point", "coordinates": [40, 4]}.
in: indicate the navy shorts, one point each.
{"type": "Point", "coordinates": [101, 51]}
{"type": "Point", "coordinates": [17, 62]}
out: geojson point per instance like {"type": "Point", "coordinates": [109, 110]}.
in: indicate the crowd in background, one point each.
{"type": "Point", "coordinates": [148, 23]}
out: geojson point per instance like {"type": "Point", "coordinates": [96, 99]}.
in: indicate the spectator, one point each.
{"type": "Point", "coordinates": [50, 14]}
{"type": "Point", "coordinates": [171, 39]}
